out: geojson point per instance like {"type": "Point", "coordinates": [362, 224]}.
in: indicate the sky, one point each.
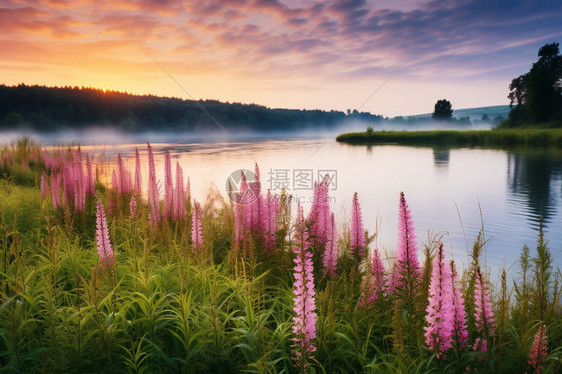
{"type": "Point", "coordinates": [385, 57]}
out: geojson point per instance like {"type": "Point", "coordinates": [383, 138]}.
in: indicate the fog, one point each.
{"type": "Point", "coordinates": [108, 136]}
{"type": "Point", "coordinates": [105, 136]}
{"type": "Point", "coordinates": [419, 126]}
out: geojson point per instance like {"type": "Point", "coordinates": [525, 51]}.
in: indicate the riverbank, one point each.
{"type": "Point", "coordinates": [472, 138]}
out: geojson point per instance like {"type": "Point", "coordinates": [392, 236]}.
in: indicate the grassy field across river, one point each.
{"type": "Point", "coordinates": [472, 138]}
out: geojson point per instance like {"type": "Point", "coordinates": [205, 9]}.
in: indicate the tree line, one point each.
{"type": "Point", "coordinates": [55, 108]}
{"type": "Point", "coordinates": [536, 96]}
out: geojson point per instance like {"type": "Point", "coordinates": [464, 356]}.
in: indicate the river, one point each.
{"type": "Point", "coordinates": [451, 192]}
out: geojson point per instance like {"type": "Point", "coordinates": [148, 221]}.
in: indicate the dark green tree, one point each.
{"type": "Point", "coordinates": [442, 111]}
{"type": "Point", "coordinates": [13, 119]}
{"type": "Point", "coordinates": [536, 97]}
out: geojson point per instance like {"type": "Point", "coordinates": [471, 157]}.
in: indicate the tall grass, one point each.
{"type": "Point", "coordinates": [166, 306]}
{"type": "Point", "coordinates": [470, 138]}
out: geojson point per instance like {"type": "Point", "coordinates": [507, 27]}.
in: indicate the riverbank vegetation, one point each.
{"type": "Point", "coordinates": [453, 138]}
{"type": "Point", "coordinates": [99, 274]}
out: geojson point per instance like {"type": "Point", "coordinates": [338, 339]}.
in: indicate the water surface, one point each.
{"type": "Point", "coordinates": [451, 192]}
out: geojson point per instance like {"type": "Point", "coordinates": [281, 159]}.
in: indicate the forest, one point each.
{"type": "Point", "coordinates": [56, 108]}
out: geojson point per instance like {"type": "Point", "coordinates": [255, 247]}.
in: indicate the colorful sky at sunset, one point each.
{"type": "Point", "coordinates": [282, 53]}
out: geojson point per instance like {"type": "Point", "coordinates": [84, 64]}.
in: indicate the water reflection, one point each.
{"type": "Point", "coordinates": [441, 158]}
{"type": "Point", "coordinates": [533, 177]}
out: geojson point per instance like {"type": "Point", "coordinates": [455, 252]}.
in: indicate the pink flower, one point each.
{"type": "Point", "coordinates": [269, 221]}
{"type": "Point", "coordinates": [253, 215]}
{"type": "Point", "coordinates": [133, 206]}
{"type": "Point", "coordinates": [114, 180]}
{"type": "Point", "coordinates": [66, 180]}
{"type": "Point", "coordinates": [81, 186]}
{"type": "Point", "coordinates": [480, 345]}
{"type": "Point", "coordinates": [406, 272]}
{"type": "Point", "coordinates": [440, 311]}
{"type": "Point", "coordinates": [331, 251]}
{"type": "Point", "coordinates": [197, 226]}
{"type": "Point", "coordinates": [319, 215]}
{"type": "Point", "coordinates": [256, 206]}
{"type": "Point", "coordinates": [376, 284]}
{"type": "Point", "coordinates": [257, 182]}
{"type": "Point", "coordinates": [241, 211]}
{"type": "Point", "coordinates": [539, 350]}
{"type": "Point", "coordinates": [74, 183]}
{"type": "Point", "coordinates": [138, 175]}
{"type": "Point", "coordinates": [258, 216]}
{"type": "Point", "coordinates": [188, 190]}
{"type": "Point", "coordinates": [357, 231]}
{"type": "Point", "coordinates": [153, 196]}
{"type": "Point", "coordinates": [47, 160]}
{"type": "Point", "coordinates": [105, 251]}
{"type": "Point", "coordinates": [483, 312]}
{"type": "Point", "coordinates": [323, 233]}
{"type": "Point", "coordinates": [460, 332]}
{"type": "Point", "coordinates": [313, 215]}
{"type": "Point", "coordinates": [56, 180]}
{"type": "Point", "coordinates": [90, 177]}
{"type": "Point", "coordinates": [111, 206]}
{"type": "Point", "coordinates": [304, 321]}
{"type": "Point", "coordinates": [81, 190]}
{"type": "Point", "coordinates": [179, 210]}
{"type": "Point", "coordinates": [168, 187]}
{"type": "Point", "coordinates": [245, 199]}
{"type": "Point", "coordinates": [123, 177]}
{"type": "Point", "coordinates": [378, 273]}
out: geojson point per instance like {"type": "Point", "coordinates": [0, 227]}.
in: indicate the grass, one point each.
{"type": "Point", "coordinates": [165, 308]}
{"type": "Point", "coordinates": [474, 138]}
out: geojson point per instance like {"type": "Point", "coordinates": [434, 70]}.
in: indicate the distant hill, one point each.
{"type": "Point", "coordinates": [475, 114]}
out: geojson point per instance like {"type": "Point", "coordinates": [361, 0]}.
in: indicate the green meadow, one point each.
{"type": "Point", "coordinates": [454, 138]}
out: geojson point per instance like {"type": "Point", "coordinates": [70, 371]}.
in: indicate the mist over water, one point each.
{"type": "Point", "coordinates": [418, 126]}
{"type": "Point", "coordinates": [108, 136]}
